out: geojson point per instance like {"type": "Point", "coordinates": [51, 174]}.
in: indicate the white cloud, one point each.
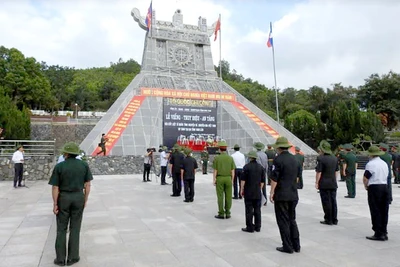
{"type": "Point", "coordinates": [316, 42]}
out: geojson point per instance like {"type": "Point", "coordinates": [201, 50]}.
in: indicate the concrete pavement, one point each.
{"type": "Point", "coordinates": [131, 223]}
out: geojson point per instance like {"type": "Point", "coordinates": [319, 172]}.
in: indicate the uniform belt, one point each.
{"type": "Point", "coordinates": [71, 191]}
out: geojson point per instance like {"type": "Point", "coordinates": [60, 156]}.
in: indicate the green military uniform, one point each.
{"type": "Point", "coordinates": [340, 156]}
{"type": "Point", "coordinates": [300, 160]}
{"type": "Point", "coordinates": [388, 159]}
{"type": "Point", "coordinates": [396, 165]}
{"type": "Point", "coordinates": [223, 164]}
{"type": "Point", "coordinates": [204, 158]}
{"type": "Point", "coordinates": [271, 154]}
{"type": "Point", "coordinates": [350, 160]}
{"type": "Point", "coordinates": [70, 177]}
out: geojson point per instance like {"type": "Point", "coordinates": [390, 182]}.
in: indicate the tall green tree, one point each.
{"type": "Point", "coordinates": [381, 94]}
{"type": "Point", "coordinates": [303, 124]}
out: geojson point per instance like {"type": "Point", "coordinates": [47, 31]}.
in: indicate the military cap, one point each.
{"type": "Point", "coordinates": [222, 144]}
{"type": "Point", "coordinates": [348, 146]}
{"type": "Point", "coordinates": [325, 147]}
{"type": "Point", "coordinates": [187, 151]}
{"type": "Point", "coordinates": [252, 154]}
{"type": "Point", "coordinates": [236, 146]}
{"type": "Point", "coordinates": [375, 151]}
{"type": "Point", "coordinates": [71, 148]}
{"type": "Point", "coordinates": [384, 146]}
{"type": "Point", "coordinates": [297, 148]}
{"type": "Point", "coordinates": [282, 142]}
{"type": "Point", "coordinates": [258, 145]}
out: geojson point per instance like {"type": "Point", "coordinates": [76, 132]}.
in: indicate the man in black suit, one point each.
{"type": "Point", "coordinates": [284, 195]}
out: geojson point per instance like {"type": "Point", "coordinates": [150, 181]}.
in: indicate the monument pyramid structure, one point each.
{"type": "Point", "coordinates": [178, 96]}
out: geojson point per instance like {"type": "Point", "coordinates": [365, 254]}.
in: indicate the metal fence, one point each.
{"type": "Point", "coordinates": [32, 148]}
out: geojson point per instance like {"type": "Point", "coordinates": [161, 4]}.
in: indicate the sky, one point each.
{"type": "Point", "coordinates": [317, 42]}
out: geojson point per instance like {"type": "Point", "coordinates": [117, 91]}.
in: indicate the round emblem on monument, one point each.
{"type": "Point", "coordinates": [180, 55]}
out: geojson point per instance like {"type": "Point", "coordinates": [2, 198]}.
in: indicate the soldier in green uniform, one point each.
{"type": "Point", "coordinates": [300, 160]}
{"type": "Point", "coordinates": [340, 155]}
{"type": "Point", "coordinates": [396, 163]}
{"type": "Point", "coordinates": [271, 154]}
{"type": "Point", "coordinates": [70, 190]}
{"type": "Point", "coordinates": [224, 173]}
{"type": "Point", "coordinates": [389, 161]}
{"type": "Point", "coordinates": [349, 170]}
{"type": "Point", "coordinates": [204, 159]}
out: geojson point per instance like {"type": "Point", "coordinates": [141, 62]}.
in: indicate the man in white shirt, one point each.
{"type": "Point", "coordinates": [240, 161]}
{"type": "Point", "coordinates": [18, 159]}
{"type": "Point", "coordinates": [163, 164]}
{"type": "Point", "coordinates": [375, 182]}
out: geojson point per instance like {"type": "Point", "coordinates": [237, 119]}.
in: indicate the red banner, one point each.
{"type": "Point", "coordinates": [257, 120]}
{"type": "Point", "coordinates": [173, 93]}
{"type": "Point", "coordinates": [120, 124]}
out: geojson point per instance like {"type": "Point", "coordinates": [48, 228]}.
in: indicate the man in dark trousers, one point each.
{"type": "Point", "coordinates": [204, 160]}
{"type": "Point", "coordinates": [148, 158]}
{"type": "Point", "coordinates": [327, 170]}
{"type": "Point", "coordinates": [240, 161]}
{"type": "Point", "coordinates": [70, 190]}
{"type": "Point", "coordinates": [300, 159]}
{"type": "Point", "coordinates": [262, 159]}
{"type": "Point", "coordinates": [375, 182]}
{"type": "Point", "coordinates": [396, 163]}
{"type": "Point", "coordinates": [271, 154]}
{"type": "Point", "coordinates": [349, 170]}
{"type": "Point", "coordinates": [252, 182]}
{"type": "Point", "coordinates": [386, 157]}
{"type": "Point", "coordinates": [284, 195]}
{"type": "Point", "coordinates": [188, 172]}
{"type": "Point", "coordinates": [18, 159]}
{"type": "Point", "coordinates": [176, 160]}
{"type": "Point", "coordinates": [340, 156]}
{"type": "Point", "coordinates": [102, 144]}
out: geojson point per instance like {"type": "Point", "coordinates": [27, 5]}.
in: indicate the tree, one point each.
{"type": "Point", "coordinates": [381, 95]}
{"type": "Point", "coordinates": [23, 80]}
{"type": "Point", "coordinates": [15, 123]}
{"type": "Point", "coordinates": [302, 124]}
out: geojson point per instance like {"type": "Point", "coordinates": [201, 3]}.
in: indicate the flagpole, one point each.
{"type": "Point", "coordinates": [275, 84]}
{"type": "Point", "coordinates": [220, 60]}
{"type": "Point", "coordinates": [220, 75]}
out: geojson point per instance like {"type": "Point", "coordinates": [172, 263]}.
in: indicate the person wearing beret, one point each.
{"type": "Point", "coordinates": [224, 173]}
{"type": "Point", "coordinates": [327, 170]}
{"type": "Point", "coordinates": [252, 181]}
{"type": "Point", "coordinates": [188, 171]}
{"type": "Point", "coordinates": [70, 182]}
{"type": "Point", "coordinates": [284, 195]}
{"type": "Point", "coordinates": [375, 182]}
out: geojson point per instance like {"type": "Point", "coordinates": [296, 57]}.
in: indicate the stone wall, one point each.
{"type": "Point", "coordinates": [62, 133]}
{"type": "Point", "coordinates": [40, 168]}
{"type": "Point", "coordinates": [35, 168]}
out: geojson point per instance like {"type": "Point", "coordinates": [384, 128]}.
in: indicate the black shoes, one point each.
{"type": "Point", "coordinates": [164, 183]}
{"type": "Point", "coordinates": [376, 238]}
{"type": "Point", "coordinates": [59, 263]}
{"type": "Point", "coordinates": [297, 250]}
{"type": "Point", "coordinates": [247, 230]}
{"type": "Point", "coordinates": [349, 197]}
{"type": "Point", "coordinates": [148, 180]}
{"type": "Point", "coordinates": [71, 262]}
{"type": "Point", "coordinates": [227, 216]}
{"type": "Point", "coordinates": [144, 181]}
{"type": "Point", "coordinates": [175, 195]}
{"type": "Point", "coordinates": [235, 198]}
{"type": "Point", "coordinates": [186, 200]}
{"type": "Point", "coordinates": [282, 249]}
{"type": "Point", "coordinates": [219, 217]}
{"type": "Point", "coordinates": [326, 223]}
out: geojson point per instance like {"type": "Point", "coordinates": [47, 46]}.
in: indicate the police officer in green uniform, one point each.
{"type": "Point", "coordinates": [204, 158]}
{"type": "Point", "coordinates": [224, 173]}
{"type": "Point", "coordinates": [271, 154]}
{"type": "Point", "coordinates": [340, 156]}
{"type": "Point", "coordinates": [71, 187]}
{"type": "Point", "coordinates": [300, 161]}
{"type": "Point", "coordinates": [386, 157]}
{"type": "Point", "coordinates": [349, 170]}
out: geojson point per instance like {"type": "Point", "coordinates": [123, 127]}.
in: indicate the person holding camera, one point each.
{"type": "Point", "coordinates": [148, 159]}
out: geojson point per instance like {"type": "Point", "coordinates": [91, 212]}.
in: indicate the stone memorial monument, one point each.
{"type": "Point", "coordinates": [178, 97]}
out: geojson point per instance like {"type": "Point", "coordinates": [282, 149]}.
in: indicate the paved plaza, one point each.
{"type": "Point", "coordinates": [131, 223]}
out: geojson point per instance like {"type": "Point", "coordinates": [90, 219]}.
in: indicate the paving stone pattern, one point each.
{"type": "Point", "coordinates": [131, 223]}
